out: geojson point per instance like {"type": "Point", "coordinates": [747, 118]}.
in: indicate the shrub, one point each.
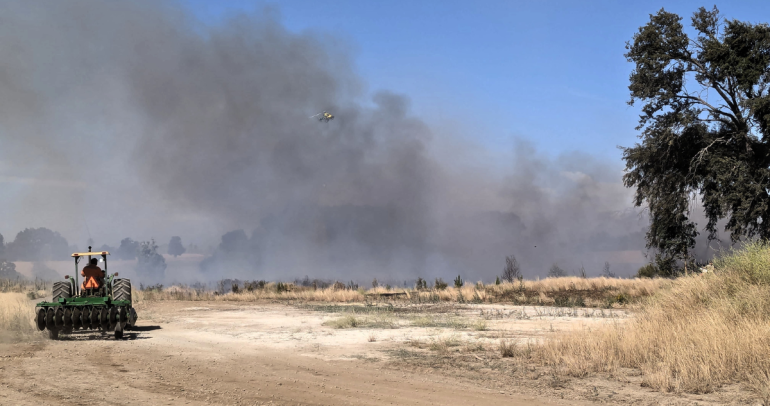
{"type": "Point", "coordinates": [512, 269]}
{"type": "Point", "coordinates": [561, 301]}
{"type": "Point", "coordinates": [582, 272]}
{"type": "Point", "coordinates": [507, 348]}
{"type": "Point", "coordinates": [606, 272]}
{"type": "Point", "coordinates": [158, 287]}
{"type": "Point", "coordinates": [647, 271]}
{"type": "Point", "coordinates": [458, 282]}
{"type": "Point", "coordinates": [556, 272]}
{"type": "Point", "coordinates": [439, 284]}
{"type": "Point", "coordinates": [252, 286]}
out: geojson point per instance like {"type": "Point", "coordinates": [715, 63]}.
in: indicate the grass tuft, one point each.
{"type": "Point", "coordinates": [507, 348]}
{"type": "Point", "coordinates": [479, 325]}
{"type": "Point", "coordinates": [348, 321]}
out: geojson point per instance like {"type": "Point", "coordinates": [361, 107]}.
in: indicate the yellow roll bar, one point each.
{"type": "Point", "coordinates": [88, 254]}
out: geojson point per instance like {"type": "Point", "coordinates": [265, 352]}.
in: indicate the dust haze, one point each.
{"type": "Point", "coordinates": [133, 119]}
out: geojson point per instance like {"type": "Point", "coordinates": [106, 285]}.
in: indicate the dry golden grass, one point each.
{"type": "Point", "coordinates": [348, 321]}
{"type": "Point", "coordinates": [270, 292]}
{"type": "Point", "coordinates": [19, 285]}
{"type": "Point", "coordinates": [507, 348]}
{"type": "Point", "coordinates": [704, 332]}
{"type": "Point", "coordinates": [631, 287]}
{"type": "Point", "coordinates": [17, 313]}
{"type": "Point", "coordinates": [567, 291]}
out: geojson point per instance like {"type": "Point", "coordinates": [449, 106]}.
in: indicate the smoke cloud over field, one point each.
{"type": "Point", "coordinates": [132, 119]}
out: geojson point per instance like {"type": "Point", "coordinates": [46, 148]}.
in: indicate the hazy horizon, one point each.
{"type": "Point", "coordinates": [134, 119]}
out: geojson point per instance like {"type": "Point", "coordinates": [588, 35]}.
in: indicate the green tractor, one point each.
{"type": "Point", "coordinates": [102, 303]}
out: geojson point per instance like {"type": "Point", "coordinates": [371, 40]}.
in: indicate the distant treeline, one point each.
{"type": "Point", "coordinates": [41, 244]}
{"type": "Point", "coordinates": [32, 244]}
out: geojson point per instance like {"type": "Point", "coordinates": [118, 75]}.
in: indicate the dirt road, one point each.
{"type": "Point", "coordinates": [193, 354]}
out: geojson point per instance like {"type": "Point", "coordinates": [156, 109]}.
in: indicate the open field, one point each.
{"type": "Point", "coordinates": [563, 292]}
{"type": "Point", "coordinates": [696, 339]}
{"type": "Point", "coordinates": [222, 352]}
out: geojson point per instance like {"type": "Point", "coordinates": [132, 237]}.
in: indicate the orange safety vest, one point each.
{"type": "Point", "coordinates": [92, 276]}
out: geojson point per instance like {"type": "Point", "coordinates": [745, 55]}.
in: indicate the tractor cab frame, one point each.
{"type": "Point", "coordinates": [103, 281]}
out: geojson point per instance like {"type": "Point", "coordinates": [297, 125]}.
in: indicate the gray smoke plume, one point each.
{"type": "Point", "coordinates": [132, 119]}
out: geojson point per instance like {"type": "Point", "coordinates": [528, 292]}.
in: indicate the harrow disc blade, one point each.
{"type": "Point", "coordinates": [58, 318]}
{"type": "Point", "coordinates": [76, 322]}
{"type": "Point", "coordinates": [94, 317]}
{"type": "Point", "coordinates": [49, 324]}
{"type": "Point", "coordinates": [68, 317]}
{"type": "Point", "coordinates": [85, 317]}
{"type": "Point", "coordinates": [40, 319]}
{"type": "Point", "coordinates": [113, 317]}
{"type": "Point", "coordinates": [104, 317]}
{"type": "Point", "coordinates": [133, 317]}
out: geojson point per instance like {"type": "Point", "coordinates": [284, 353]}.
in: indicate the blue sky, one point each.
{"type": "Point", "coordinates": [552, 72]}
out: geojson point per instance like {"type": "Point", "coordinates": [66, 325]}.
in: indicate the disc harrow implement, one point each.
{"type": "Point", "coordinates": [102, 303]}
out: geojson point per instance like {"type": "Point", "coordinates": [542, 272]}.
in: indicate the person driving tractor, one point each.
{"type": "Point", "coordinates": [92, 275]}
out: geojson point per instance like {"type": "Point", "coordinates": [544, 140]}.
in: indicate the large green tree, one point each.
{"type": "Point", "coordinates": [37, 244]}
{"type": "Point", "coordinates": [705, 127]}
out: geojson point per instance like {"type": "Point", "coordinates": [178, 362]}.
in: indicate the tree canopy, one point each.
{"type": "Point", "coordinates": [150, 265]}
{"type": "Point", "coordinates": [37, 244]}
{"type": "Point", "coordinates": [175, 247]}
{"type": "Point", "coordinates": [705, 128]}
{"type": "Point", "coordinates": [128, 249]}
{"type": "Point", "coordinates": [237, 250]}
{"type": "Point", "coordinates": [8, 270]}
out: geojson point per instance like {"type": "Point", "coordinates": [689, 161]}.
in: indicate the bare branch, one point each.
{"type": "Point", "coordinates": [696, 160]}
{"type": "Point", "coordinates": [705, 103]}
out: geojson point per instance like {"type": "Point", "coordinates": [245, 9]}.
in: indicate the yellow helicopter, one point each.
{"type": "Point", "coordinates": [325, 117]}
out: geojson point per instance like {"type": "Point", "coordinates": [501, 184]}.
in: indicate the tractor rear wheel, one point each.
{"type": "Point", "coordinates": [61, 290]}
{"type": "Point", "coordinates": [121, 289]}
